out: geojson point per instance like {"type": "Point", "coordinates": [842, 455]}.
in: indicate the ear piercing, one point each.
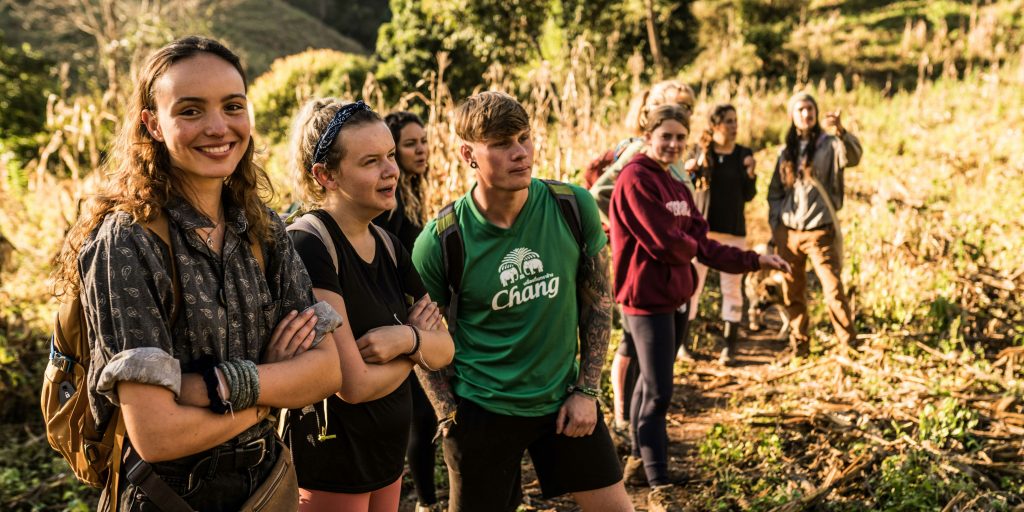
{"type": "Point", "coordinates": [473, 164]}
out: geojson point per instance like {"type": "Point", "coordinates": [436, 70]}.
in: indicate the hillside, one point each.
{"type": "Point", "coordinates": [264, 30]}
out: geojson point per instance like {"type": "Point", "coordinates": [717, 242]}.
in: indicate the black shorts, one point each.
{"type": "Point", "coordinates": [484, 451]}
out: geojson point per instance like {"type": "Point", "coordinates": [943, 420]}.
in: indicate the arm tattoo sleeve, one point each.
{"type": "Point", "coordinates": [594, 295]}
{"type": "Point", "coordinates": [438, 391]}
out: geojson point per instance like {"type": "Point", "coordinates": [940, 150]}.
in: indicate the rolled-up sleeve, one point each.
{"type": "Point", "coordinates": [127, 296]}
{"type": "Point", "coordinates": [145, 365]}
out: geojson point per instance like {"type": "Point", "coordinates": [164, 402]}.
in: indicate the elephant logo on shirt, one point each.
{"type": "Point", "coordinates": [533, 266]}
{"type": "Point", "coordinates": [509, 276]}
{"type": "Point", "coordinates": [518, 264]}
{"type": "Point", "coordinates": [523, 280]}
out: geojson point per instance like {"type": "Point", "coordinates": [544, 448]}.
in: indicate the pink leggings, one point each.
{"type": "Point", "coordinates": [382, 500]}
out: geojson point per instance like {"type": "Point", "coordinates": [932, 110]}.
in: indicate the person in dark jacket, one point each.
{"type": "Point", "coordinates": [725, 180]}
{"type": "Point", "coordinates": [656, 231]}
{"type": "Point", "coordinates": [804, 198]}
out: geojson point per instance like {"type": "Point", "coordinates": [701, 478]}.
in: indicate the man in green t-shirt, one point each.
{"type": "Point", "coordinates": [532, 298]}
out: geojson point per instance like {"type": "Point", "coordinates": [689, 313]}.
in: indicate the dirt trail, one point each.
{"type": "Point", "coordinates": [701, 399]}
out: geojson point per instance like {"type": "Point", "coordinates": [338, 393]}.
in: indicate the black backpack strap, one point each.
{"type": "Point", "coordinates": [141, 475]}
{"type": "Point", "coordinates": [453, 255]}
{"type": "Point", "coordinates": [570, 207]}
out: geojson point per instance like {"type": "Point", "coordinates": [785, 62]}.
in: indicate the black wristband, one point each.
{"type": "Point", "coordinates": [217, 405]}
{"type": "Point", "coordinates": [416, 343]}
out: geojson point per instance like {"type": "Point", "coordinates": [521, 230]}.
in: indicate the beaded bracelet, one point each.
{"type": "Point", "coordinates": [254, 379]}
{"type": "Point", "coordinates": [591, 392]}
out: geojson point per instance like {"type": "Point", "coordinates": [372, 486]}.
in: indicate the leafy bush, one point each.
{"type": "Point", "coordinates": [277, 94]}
{"type": "Point", "coordinates": [24, 83]}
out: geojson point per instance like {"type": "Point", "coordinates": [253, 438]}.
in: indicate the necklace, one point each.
{"type": "Point", "coordinates": [209, 233]}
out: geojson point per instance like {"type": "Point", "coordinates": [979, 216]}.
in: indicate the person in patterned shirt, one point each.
{"type": "Point", "coordinates": [184, 156]}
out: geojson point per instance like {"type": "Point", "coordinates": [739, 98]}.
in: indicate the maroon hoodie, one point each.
{"type": "Point", "coordinates": [656, 231]}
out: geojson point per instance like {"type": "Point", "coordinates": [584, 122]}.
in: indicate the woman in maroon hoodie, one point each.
{"type": "Point", "coordinates": [656, 231]}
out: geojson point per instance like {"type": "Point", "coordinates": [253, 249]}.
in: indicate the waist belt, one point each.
{"type": "Point", "coordinates": [221, 459]}
{"type": "Point", "coordinates": [243, 456]}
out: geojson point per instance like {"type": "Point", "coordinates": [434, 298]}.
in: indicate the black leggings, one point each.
{"type": "Point", "coordinates": [656, 339]}
{"type": "Point", "coordinates": [421, 449]}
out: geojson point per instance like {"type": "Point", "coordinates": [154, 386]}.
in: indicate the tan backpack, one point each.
{"type": "Point", "coordinates": [94, 455]}
{"type": "Point", "coordinates": [70, 426]}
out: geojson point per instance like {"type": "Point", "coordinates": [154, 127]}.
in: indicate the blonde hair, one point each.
{"type": "Point", "coordinates": [658, 116]}
{"type": "Point", "coordinates": [490, 115]}
{"type": "Point", "coordinates": [310, 122]}
{"type": "Point", "coordinates": [667, 92]}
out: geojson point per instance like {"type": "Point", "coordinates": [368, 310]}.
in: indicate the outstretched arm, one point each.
{"type": "Point", "coordinates": [578, 415]}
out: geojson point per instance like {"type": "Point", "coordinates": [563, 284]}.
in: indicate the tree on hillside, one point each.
{"type": "Point", "coordinates": [115, 32]}
{"type": "Point", "coordinates": [663, 32]}
{"type": "Point", "coordinates": [408, 45]}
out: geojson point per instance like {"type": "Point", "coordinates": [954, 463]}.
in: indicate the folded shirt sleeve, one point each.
{"type": "Point", "coordinates": [143, 365]}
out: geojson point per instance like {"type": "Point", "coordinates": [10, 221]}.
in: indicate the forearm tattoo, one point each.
{"type": "Point", "coordinates": [438, 391]}
{"type": "Point", "coordinates": [595, 298]}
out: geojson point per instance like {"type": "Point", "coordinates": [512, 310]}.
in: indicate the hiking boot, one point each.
{"type": "Point", "coordinates": [684, 354]}
{"type": "Point", "coordinates": [660, 499]}
{"type": "Point", "coordinates": [728, 356]}
{"type": "Point", "coordinates": [633, 474]}
{"type": "Point", "coordinates": [801, 348]}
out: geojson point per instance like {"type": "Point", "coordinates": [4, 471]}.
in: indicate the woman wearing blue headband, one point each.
{"type": "Point", "coordinates": [350, 450]}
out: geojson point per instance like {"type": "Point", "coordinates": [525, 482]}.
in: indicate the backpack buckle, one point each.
{"type": "Point", "coordinates": [62, 362]}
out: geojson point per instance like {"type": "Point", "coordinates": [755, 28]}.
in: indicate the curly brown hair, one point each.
{"type": "Point", "coordinates": [140, 177]}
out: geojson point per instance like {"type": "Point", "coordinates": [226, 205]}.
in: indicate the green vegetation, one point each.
{"type": "Point", "coordinates": [261, 31]}
{"type": "Point", "coordinates": [932, 414]}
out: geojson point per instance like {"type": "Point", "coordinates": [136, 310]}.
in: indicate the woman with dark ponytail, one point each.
{"type": "Point", "coordinates": [724, 178]}
{"type": "Point", "coordinates": [804, 197]}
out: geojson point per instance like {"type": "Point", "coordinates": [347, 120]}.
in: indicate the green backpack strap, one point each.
{"type": "Point", "coordinates": [453, 255]}
{"type": "Point", "coordinates": [570, 207]}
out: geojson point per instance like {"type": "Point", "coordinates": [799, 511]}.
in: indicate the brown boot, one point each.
{"type": "Point", "coordinates": [633, 473]}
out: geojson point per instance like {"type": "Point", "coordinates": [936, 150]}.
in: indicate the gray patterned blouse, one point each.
{"type": "Point", "coordinates": [228, 308]}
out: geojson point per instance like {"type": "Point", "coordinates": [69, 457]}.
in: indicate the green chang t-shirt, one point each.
{"type": "Point", "coordinates": [516, 342]}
